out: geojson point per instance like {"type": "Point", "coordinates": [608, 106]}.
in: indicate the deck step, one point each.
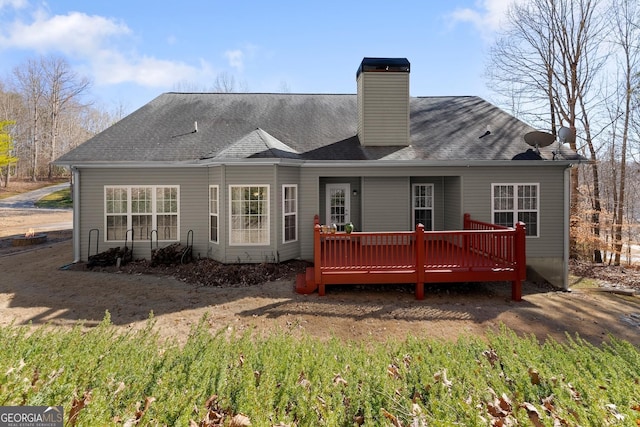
{"type": "Point", "coordinates": [305, 283]}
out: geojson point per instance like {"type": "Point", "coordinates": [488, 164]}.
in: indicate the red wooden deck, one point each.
{"type": "Point", "coordinates": [481, 252]}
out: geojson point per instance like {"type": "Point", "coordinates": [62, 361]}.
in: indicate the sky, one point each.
{"type": "Point", "coordinates": [134, 50]}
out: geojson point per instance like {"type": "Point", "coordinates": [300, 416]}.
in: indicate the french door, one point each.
{"type": "Point", "coordinates": [338, 205]}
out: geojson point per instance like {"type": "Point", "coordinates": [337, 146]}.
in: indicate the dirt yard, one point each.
{"type": "Point", "coordinates": [36, 289]}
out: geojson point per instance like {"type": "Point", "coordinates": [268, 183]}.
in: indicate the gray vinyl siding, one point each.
{"type": "Point", "coordinates": [386, 204]}
{"type": "Point", "coordinates": [383, 108]}
{"type": "Point", "coordinates": [193, 207]}
{"type": "Point", "coordinates": [308, 207]}
{"type": "Point", "coordinates": [452, 203]}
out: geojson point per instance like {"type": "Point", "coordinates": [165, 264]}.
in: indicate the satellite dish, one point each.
{"type": "Point", "coordinates": [539, 139]}
{"type": "Point", "coordinates": [566, 134]}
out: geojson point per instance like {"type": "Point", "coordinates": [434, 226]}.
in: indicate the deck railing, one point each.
{"type": "Point", "coordinates": [481, 247]}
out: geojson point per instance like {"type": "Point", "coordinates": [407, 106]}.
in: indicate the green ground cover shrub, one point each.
{"type": "Point", "coordinates": [102, 376]}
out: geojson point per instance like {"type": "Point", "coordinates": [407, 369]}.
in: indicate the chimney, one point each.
{"type": "Point", "coordinates": [383, 102]}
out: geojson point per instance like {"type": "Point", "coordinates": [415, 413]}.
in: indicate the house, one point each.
{"type": "Point", "coordinates": [243, 174]}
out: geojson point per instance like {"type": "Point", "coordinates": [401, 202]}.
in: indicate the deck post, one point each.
{"type": "Point", "coordinates": [521, 261]}
{"type": "Point", "coordinates": [317, 258]}
{"type": "Point", "coordinates": [420, 257]}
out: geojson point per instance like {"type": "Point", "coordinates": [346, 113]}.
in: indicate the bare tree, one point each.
{"type": "Point", "coordinates": [63, 88]}
{"type": "Point", "coordinates": [30, 84]}
{"type": "Point", "coordinates": [626, 35]}
{"type": "Point", "coordinates": [226, 83]}
{"type": "Point", "coordinates": [548, 58]}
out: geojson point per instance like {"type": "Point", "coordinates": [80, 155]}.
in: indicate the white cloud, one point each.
{"type": "Point", "coordinates": [101, 46]}
{"type": "Point", "coordinates": [235, 58]}
{"type": "Point", "coordinates": [112, 67]}
{"type": "Point", "coordinates": [73, 34]}
{"type": "Point", "coordinates": [486, 16]}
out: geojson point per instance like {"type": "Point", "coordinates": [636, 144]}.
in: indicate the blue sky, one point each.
{"type": "Point", "coordinates": [135, 50]}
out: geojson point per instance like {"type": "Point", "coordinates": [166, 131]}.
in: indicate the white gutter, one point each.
{"type": "Point", "coordinates": [76, 214]}
{"type": "Point", "coordinates": [322, 163]}
{"type": "Point", "coordinates": [567, 226]}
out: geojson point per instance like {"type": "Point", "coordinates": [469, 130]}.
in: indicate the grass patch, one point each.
{"type": "Point", "coordinates": [103, 377]}
{"type": "Point", "coordinates": [577, 282]}
{"type": "Point", "coordinates": [58, 200]}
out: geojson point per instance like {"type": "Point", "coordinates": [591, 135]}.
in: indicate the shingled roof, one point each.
{"type": "Point", "coordinates": [301, 126]}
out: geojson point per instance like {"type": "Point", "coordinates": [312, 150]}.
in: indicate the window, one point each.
{"type": "Point", "coordinates": [249, 214]}
{"type": "Point", "coordinates": [423, 205]}
{"type": "Point", "coordinates": [143, 210]}
{"type": "Point", "coordinates": [516, 202]}
{"type": "Point", "coordinates": [213, 213]}
{"type": "Point", "coordinates": [290, 213]}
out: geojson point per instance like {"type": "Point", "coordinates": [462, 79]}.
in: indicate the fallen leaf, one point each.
{"type": "Point", "coordinates": [575, 394]}
{"type": "Point", "coordinates": [534, 376]}
{"type": "Point", "coordinates": [338, 380]}
{"type": "Point", "coordinates": [388, 415]}
{"type": "Point", "coordinates": [147, 403]}
{"type": "Point", "coordinates": [492, 356]}
{"type": "Point", "coordinates": [120, 388]}
{"type": "Point", "coordinates": [547, 402]}
{"type": "Point", "coordinates": [77, 405]}
{"type": "Point", "coordinates": [240, 420]}
{"type": "Point", "coordinates": [505, 403]}
{"type": "Point", "coordinates": [495, 410]}
{"type": "Point", "coordinates": [442, 377]}
{"type": "Point", "coordinates": [613, 409]}
{"type": "Point", "coordinates": [534, 415]}
{"type": "Point", "coordinates": [393, 371]}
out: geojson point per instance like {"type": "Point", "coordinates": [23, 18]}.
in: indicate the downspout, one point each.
{"type": "Point", "coordinates": [76, 213]}
{"type": "Point", "coordinates": [565, 232]}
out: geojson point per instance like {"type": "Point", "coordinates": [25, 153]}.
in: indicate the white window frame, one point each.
{"type": "Point", "coordinates": [214, 212]}
{"type": "Point", "coordinates": [286, 213]}
{"type": "Point", "coordinates": [517, 209]}
{"type": "Point", "coordinates": [427, 208]}
{"type": "Point", "coordinates": [266, 216]}
{"type": "Point", "coordinates": [154, 213]}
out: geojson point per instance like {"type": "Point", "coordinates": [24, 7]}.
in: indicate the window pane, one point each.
{"type": "Point", "coordinates": [213, 200]}
{"type": "Point", "coordinates": [213, 236]}
{"type": "Point", "coordinates": [167, 200]}
{"type": "Point", "coordinates": [116, 227]}
{"type": "Point", "coordinates": [116, 200]}
{"type": "Point", "coordinates": [527, 197]}
{"type": "Point", "coordinates": [142, 226]}
{"type": "Point", "coordinates": [424, 217]}
{"type": "Point", "coordinates": [503, 197]}
{"type": "Point", "coordinates": [530, 220]}
{"type": "Point", "coordinates": [503, 218]}
{"type": "Point", "coordinates": [290, 228]}
{"type": "Point", "coordinates": [141, 200]}
{"type": "Point", "coordinates": [167, 227]}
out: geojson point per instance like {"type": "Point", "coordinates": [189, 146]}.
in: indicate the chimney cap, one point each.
{"type": "Point", "coordinates": [384, 65]}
